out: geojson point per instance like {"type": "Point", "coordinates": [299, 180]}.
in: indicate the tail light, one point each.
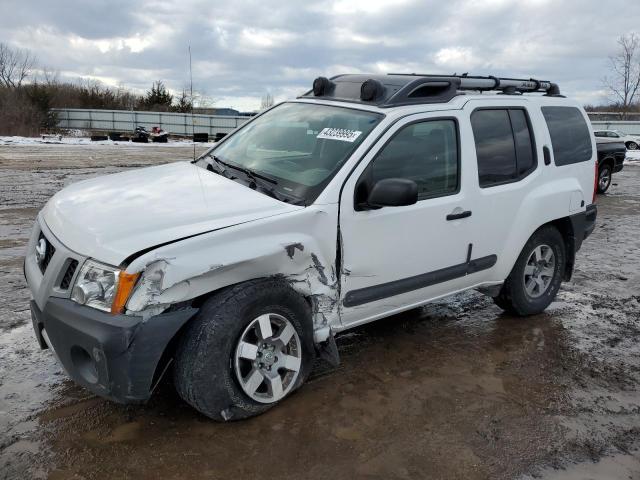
{"type": "Point", "coordinates": [595, 183]}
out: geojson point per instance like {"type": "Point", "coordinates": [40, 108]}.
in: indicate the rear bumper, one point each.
{"type": "Point", "coordinates": [590, 214]}
{"type": "Point", "coordinates": [583, 224]}
{"type": "Point", "coordinates": [114, 356]}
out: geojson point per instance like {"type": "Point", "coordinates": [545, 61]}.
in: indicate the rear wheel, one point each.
{"type": "Point", "coordinates": [604, 177]}
{"type": "Point", "coordinates": [248, 348]}
{"type": "Point", "coordinates": [536, 277]}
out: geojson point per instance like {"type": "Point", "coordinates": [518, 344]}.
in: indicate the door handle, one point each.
{"type": "Point", "coordinates": [547, 155]}
{"type": "Point", "coordinates": [458, 216]}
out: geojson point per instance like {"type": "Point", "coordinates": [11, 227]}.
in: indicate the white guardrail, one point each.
{"type": "Point", "coordinates": [626, 126]}
{"type": "Point", "coordinates": [126, 121]}
{"type": "Point", "coordinates": [184, 124]}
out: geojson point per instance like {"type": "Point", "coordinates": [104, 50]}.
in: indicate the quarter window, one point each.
{"type": "Point", "coordinates": [570, 137]}
{"type": "Point", "coordinates": [425, 152]}
{"type": "Point", "coordinates": [504, 145]}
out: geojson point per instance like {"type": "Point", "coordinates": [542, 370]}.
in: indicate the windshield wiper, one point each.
{"type": "Point", "coordinates": [221, 168]}
{"type": "Point", "coordinates": [252, 175]}
{"type": "Point", "coordinates": [257, 179]}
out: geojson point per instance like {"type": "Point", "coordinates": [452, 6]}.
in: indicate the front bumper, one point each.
{"type": "Point", "coordinates": [114, 356]}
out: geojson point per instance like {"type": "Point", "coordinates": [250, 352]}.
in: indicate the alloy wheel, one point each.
{"type": "Point", "coordinates": [604, 178]}
{"type": "Point", "coordinates": [268, 358]}
{"type": "Point", "coordinates": [539, 271]}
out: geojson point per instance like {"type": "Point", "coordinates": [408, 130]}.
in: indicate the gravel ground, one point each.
{"type": "Point", "coordinates": [453, 390]}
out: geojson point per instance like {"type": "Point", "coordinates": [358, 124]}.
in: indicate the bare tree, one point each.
{"type": "Point", "coordinates": [50, 76]}
{"type": "Point", "coordinates": [15, 66]}
{"type": "Point", "coordinates": [624, 81]}
{"type": "Point", "coordinates": [200, 99]}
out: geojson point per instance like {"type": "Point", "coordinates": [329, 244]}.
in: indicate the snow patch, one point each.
{"type": "Point", "coordinates": [633, 157]}
{"type": "Point", "coordinates": [54, 140]}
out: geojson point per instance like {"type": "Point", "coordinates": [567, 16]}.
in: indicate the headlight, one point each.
{"type": "Point", "coordinates": [103, 287]}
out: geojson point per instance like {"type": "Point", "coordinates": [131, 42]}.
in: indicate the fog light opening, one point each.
{"type": "Point", "coordinates": [84, 364]}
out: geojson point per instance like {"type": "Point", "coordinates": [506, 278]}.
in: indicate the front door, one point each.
{"type": "Point", "coordinates": [395, 257]}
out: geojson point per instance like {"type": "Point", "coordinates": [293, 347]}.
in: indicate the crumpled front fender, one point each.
{"type": "Point", "coordinates": [300, 247]}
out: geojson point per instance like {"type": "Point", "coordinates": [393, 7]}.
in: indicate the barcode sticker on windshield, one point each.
{"type": "Point", "coordinates": [341, 134]}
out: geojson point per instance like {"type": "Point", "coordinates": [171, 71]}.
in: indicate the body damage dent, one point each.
{"type": "Point", "coordinates": [306, 275]}
{"type": "Point", "coordinates": [170, 279]}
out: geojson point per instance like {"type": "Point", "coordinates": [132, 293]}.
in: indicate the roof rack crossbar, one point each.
{"type": "Point", "coordinates": [480, 83]}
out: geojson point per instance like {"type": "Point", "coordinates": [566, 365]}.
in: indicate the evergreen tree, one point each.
{"type": "Point", "coordinates": [157, 99]}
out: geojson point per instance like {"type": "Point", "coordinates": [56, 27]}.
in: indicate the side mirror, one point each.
{"type": "Point", "coordinates": [393, 192]}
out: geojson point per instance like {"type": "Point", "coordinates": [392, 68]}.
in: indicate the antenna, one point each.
{"type": "Point", "coordinates": [193, 124]}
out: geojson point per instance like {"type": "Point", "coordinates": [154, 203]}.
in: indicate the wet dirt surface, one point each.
{"type": "Point", "coordinates": [453, 390]}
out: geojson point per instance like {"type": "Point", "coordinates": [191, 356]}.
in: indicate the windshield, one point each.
{"type": "Point", "coordinates": [298, 146]}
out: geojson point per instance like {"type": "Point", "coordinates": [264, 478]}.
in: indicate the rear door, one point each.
{"type": "Point", "coordinates": [507, 169]}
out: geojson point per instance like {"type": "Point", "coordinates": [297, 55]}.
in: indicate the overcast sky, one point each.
{"type": "Point", "coordinates": [243, 49]}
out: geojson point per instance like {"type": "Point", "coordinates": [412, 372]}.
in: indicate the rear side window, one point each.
{"type": "Point", "coordinates": [570, 136]}
{"type": "Point", "coordinates": [504, 145]}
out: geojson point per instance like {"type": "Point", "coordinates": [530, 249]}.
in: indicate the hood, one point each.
{"type": "Point", "coordinates": [112, 217]}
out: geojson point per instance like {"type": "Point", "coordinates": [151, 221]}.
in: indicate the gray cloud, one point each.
{"type": "Point", "coordinates": [245, 48]}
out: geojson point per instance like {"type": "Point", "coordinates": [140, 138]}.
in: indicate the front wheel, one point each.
{"type": "Point", "coordinates": [535, 279]}
{"type": "Point", "coordinates": [632, 146]}
{"type": "Point", "coordinates": [248, 347]}
{"type": "Point", "coordinates": [604, 178]}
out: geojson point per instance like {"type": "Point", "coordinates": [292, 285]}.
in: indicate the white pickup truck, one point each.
{"type": "Point", "coordinates": [367, 196]}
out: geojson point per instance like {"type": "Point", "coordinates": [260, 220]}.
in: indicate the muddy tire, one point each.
{"type": "Point", "coordinates": [224, 367]}
{"type": "Point", "coordinates": [604, 177]}
{"type": "Point", "coordinates": [535, 279]}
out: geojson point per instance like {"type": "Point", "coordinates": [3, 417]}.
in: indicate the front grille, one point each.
{"type": "Point", "coordinates": [68, 275]}
{"type": "Point", "coordinates": [48, 255]}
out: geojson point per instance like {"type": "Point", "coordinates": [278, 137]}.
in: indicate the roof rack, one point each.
{"type": "Point", "coordinates": [509, 86]}
{"type": "Point", "coordinates": [396, 89]}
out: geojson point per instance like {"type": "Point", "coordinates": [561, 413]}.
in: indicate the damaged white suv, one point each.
{"type": "Point", "coordinates": [367, 196]}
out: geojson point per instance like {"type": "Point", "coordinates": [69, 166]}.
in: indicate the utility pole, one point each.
{"type": "Point", "coordinates": [193, 124]}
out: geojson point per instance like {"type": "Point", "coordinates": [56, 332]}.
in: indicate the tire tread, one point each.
{"type": "Point", "coordinates": [220, 313]}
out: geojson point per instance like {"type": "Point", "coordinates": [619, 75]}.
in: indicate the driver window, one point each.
{"type": "Point", "coordinates": [425, 152]}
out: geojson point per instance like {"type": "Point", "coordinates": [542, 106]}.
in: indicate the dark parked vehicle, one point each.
{"type": "Point", "coordinates": [611, 155]}
{"type": "Point", "coordinates": [140, 135]}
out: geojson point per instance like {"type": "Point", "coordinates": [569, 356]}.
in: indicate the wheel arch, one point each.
{"type": "Point", "coordinates": [567, 229]}
{"type": "Point", "coordinates": [608, 161]}
{"type": "Point", "coordinates": [197, 302]}
{"type": "Point", "coordinates": [553, 202]}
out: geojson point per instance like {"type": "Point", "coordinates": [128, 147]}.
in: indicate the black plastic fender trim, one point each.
{"type": "Point", "coordinates": [404, 285]}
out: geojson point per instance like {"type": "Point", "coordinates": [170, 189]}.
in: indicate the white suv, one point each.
{"type": "Point", "coordinates": [630, 141]}
{"type": "Point", "coordinates": [367, 196]}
